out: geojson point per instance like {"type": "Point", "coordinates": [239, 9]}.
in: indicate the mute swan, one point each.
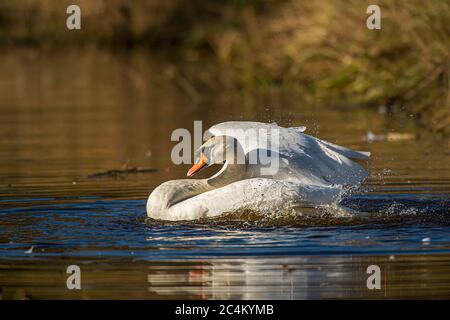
{"type": "Point", "coordinates": [310, 172]}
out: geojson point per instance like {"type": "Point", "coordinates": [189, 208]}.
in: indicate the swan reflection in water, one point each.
{"type": "Point", "coordinates": [308, 277]}
{"type": "Point", "coordinates": [263, 278]}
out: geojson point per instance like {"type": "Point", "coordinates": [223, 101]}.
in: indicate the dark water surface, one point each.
{"type": "Point", "coordinates": [68, 115]}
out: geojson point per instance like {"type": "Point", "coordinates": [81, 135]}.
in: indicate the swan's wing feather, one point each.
{"type": "Point", "coordinates": [299, 129]}
{"type": "Point", "coordinates": [352, 154]}
{"type": "Point", "coordinates": [220, 128]}
{"type": "Point", "coordinates": [311, 159]}
{"type": "Point", "coordinates": [240, 129]}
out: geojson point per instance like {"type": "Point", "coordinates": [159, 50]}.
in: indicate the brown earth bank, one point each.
{"type": "Point", "coordinates": [322, 49]}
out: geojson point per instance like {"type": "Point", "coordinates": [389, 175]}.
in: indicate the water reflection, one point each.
{"type": "Point", "coordinates": [307, 277]}
{"type": "Point", "coordinates": [243, 278]}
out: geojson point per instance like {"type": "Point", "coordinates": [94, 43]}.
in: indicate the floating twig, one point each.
{"type": "Point", "coordinates": [118, 172]}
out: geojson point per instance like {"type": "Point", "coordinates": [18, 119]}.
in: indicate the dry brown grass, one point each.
{"type": "Point", "coordinates": [324, 48]}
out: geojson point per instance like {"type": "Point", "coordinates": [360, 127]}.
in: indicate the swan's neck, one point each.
{"type": "Point", "coordinates": [229, 173]}
{"type": "Point", "coordinates": [168, 194]}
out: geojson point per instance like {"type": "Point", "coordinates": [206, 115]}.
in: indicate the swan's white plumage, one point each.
{"type": "Point", "coordinates": [260, 195]}
{"type": "Point", "coordinates": [303, 157]}
{"type": "Point", "coordinates": [311, 172]}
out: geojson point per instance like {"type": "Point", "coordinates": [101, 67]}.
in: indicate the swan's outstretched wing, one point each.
{"type": "Point", "coordinates": [301, 157]}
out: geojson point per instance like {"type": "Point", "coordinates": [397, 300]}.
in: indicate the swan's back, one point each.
{"type": "Point", "coordinates": [301, 157]}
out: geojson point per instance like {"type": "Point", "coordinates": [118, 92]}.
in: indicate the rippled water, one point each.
{"type": "Point", "coordinates": [68, 115]}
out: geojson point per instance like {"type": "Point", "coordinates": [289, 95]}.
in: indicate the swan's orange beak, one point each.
{"type": "Point", "coordinates": [196, 167]}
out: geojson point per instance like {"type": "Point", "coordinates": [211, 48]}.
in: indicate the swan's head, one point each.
{"type": "Point", "coordinates": [217, 150]}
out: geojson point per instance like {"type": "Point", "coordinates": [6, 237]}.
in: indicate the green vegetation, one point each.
{"type": "Point", "coordinates": [321, 48]}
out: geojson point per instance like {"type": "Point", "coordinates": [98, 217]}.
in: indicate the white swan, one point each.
{"type": "Point", "coordinates": [310, 172]}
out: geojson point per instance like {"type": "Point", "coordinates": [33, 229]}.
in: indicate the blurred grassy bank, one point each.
{"type": "Point", "coordinates": [321, 48]}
